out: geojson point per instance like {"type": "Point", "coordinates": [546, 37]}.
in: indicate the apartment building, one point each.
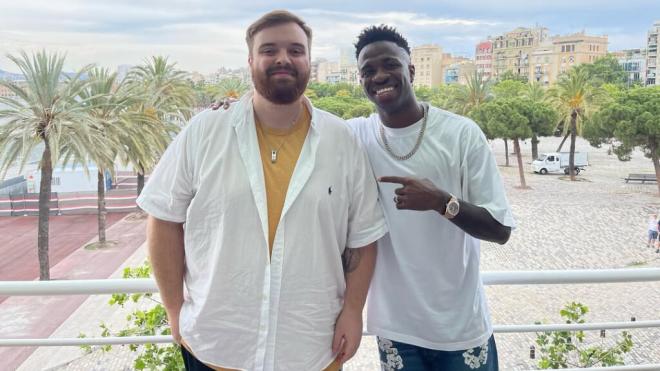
{"type": "Point", "coordinates": [652, 42]}
{"type": "Point", "coordinates": [459, 72]}
{"type": "Point", "coordinates": [578, 48]}
{"type": "Point", "coordinates": [484, 59]}
{"type": "Point", "coordinates": [512, 50]}
{"type": "Point", "coordinates": [428, 62]}
{"type": "Point", "coordinates": [633, 62]}
{"type": "Point", "coordinates": [558, 54]}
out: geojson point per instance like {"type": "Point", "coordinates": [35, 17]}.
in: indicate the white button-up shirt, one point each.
{"type": "Point", "coordinates": [241, 310]}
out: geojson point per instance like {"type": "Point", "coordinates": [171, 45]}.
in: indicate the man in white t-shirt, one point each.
{"type": "Point", "coordinates": [441, 192]}
{"type": "Point", "coordinates": [268, 214]}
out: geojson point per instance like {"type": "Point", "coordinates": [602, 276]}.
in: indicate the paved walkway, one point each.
{"type": "Point", "coordinates": [18, 242]}
{"type": "Point", "coordinates": [599, 222]}
{"type": "Point", "coordinates": [39, 316]}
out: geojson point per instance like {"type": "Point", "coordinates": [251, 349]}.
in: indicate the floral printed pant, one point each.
{"type": "Point", "coordinates": [396, 356]}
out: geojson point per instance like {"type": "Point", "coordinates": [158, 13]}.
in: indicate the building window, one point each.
{"type": "Point", "coordinates": [55, 181]}
{"type": "Point", "coordinates": [563, 48]}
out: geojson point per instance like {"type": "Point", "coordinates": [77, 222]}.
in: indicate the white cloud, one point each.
{"type": "Point", "coordinates": [203, 34]}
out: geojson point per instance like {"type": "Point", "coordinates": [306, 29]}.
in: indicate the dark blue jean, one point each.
{"type": "Point", "coordinates": [396, 356]}
{"type": "Point", "coordinates": [192, 363]}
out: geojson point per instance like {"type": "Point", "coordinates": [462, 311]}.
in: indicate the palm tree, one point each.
{"type": "Point", "coordinates": [478, 93]}
{"type": "Point", "coordinates": [231, 88]}
{"type": "Point", "coordinates": [109, 103]}
{"type": "Point", "coordinates": [169, 100]}
{"type": "Point", "coordinates": [574, 96]}
{"type": "Point", "coordinates": [46, 111]}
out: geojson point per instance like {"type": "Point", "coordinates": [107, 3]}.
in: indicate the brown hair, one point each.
{"type": "Point", "coordinates": [276, 18]}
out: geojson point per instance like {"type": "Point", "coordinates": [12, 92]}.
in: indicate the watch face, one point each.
{"type": "Point", "coordinates": [452, 208]}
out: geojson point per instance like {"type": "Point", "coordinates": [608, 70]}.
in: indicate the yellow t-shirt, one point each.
{"type": "Point", "coordinates": [287, 144]}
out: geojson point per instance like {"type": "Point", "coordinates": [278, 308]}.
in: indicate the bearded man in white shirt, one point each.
{"type": "Point", "coordinates": [267, 213]}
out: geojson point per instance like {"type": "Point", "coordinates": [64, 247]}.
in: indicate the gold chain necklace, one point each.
{"type": "Point", "coordinates": [273, 150]}
{"type": "Point", "coordinates": [386, 144]}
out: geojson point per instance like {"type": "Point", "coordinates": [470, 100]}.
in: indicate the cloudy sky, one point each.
{"type": "Point", "coordinates": [202, 35]}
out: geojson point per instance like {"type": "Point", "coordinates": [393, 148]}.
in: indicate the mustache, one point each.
{"type": "Point", "coordinates": [276, 69]}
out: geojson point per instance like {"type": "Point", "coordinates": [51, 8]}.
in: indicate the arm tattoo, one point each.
{"type": "Point", "coordinates": [350, 259]}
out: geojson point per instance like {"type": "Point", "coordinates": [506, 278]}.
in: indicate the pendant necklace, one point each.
{"type": "Point", "coordinates": [273, 149]}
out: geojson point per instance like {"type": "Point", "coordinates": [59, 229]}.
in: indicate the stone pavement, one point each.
{"type": "Point", "coordinates": [598, 222]}
{"type": "Point", "coordinates": [39, 316]}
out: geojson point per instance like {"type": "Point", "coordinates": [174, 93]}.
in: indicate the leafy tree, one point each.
{"type": "Point", "coordinates": [424, 93]}
{"type": "Point", "coordinates": [606, 70]}
{"type": "Point", "coordinates": [564, 349]}
{"type": "Point", "coordinates": [46, 112]}
{"type": "Point", "coordinates": [573, 97]}
{"type": "Point", "coordinates": [509, 75]}
{"type": "Point", "coordinates": [536, 94]}
{"type": "Point", "coordinates": [323, 90]}
{"type": "Point", "coordinates": [506, 118]}
{"type": "Point", "coordinates": [508, 89]}
{"type": "Point", "coordinates": [449, 97]}
{"type": "Point", "coordinates": [336, 105]}
{"type": "Point", "coordinates": [633, 120]}
{"type": "Point", "coordinates": [359, 110]}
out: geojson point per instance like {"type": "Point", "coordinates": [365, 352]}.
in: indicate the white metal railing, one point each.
{"type": "Point", "coordinates": [649, 367]}
{"type": "Point", "coordinates": [139, 285]}
{"type": "Point", "coordinates": [146, 285]}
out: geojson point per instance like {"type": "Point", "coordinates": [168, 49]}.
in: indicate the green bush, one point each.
{"type": "Point", "coordinates": [148, 322]}
{"type": "Point", "coordinates": [564, 349]}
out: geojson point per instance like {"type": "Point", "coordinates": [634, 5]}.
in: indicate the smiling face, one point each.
{"type": "Point", "coordinates": [386, 75]}
{"type": "Point", "coordinates": [279, 62]}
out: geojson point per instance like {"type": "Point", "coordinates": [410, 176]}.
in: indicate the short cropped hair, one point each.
{"type": "Point", "coordinates": [276, 18]}
{"type": "Point", "coordinates": [383, 32]}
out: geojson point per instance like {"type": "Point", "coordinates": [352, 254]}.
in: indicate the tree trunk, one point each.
{"type": "Point", "coordinates": [140, 182]}
{"type": "Point", "coordinates": [44, 211]}
{"type": "Point", "coordinates": [521, 172]}
{"type": "Point", "coordinates": [571, 156]}
{"type": "Point", "coordinates": [656, 162]}
{"type": "Point", "coordinates": [562, 141]}
{"type": "Point", "coordinates": [506, 152]}
{"type": "Point", "coordinates": [535, 147]}
{"type": "Point", "coordinates": [101, 206]}
{"type": "Point", "coordinates": [140, 179]}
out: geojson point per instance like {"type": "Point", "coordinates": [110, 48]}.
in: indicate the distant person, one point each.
{"type": "Point", "coordinates": [657, 240]}
{"type": "Point", "coordinates": [268, 214]}
{"type": "Point", "coordinates": [652, 232]}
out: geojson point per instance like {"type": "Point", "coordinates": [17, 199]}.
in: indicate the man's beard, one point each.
{"type": "Point", "coordinates": [283, 91]}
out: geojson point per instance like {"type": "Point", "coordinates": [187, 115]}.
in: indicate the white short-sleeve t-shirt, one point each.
{"type": "Point", "coordinates": [427, 290]}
